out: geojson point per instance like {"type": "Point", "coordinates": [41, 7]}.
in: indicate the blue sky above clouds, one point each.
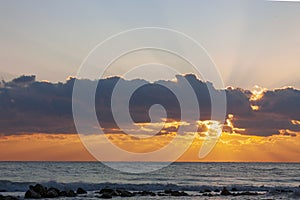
{"type": "Point", "coordinates": [252, 42]}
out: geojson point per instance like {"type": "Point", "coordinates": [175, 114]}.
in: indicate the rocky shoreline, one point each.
{"type": "Point", "coordinates": [39, 191]}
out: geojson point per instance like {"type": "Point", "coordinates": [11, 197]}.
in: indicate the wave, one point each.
{"type": "Point", "coordinates": [10, 186]}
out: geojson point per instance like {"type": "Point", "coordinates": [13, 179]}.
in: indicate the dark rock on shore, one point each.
{"type": "Point", "coordinates": [283, 191]}
{"type": "Point", "coordinates": [146, 193]}
{"type": "Point", "coordinates": [162, 194]}
{"type": "Point", "coordinates": [71, 193]}
{"type": "Point", "coordinates": [81, 191]}
{"type": "Point", "coordinates": [225, 192]}
{"type": "Point", "coordinates": [38, 191]}
{"type": "Point", "coordinates": [106, 190]}
{"type": "Point", "coordinates": [125, 193]}
{"type": "Point", "coordinates": [38, 188]}
{"type": "Point", "coordinates": [8, 197]}
{"type": "Point", "coordinates": [31, 194]}
{"type": "Point", "coordinates": [52, 193]}
{"type": "Point", "coordinates": [175, 193]}
{"type": "Point", "coordinates": [62, 193]}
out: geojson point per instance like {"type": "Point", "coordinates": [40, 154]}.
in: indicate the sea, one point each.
{"type": "Point", "coordinates": [270, 180]}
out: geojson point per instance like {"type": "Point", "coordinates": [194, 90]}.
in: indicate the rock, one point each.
{"type": "Point", "coordinates": [168, 191]}
{"type": "Point", "coordinates": [207, 190]}
{"type": "Point", "coordinates": [208, 194]}
{"type": "Point", "coordinates": [38, 188]}
{"type": "Point", "coordinates": [225, 192]}
{"type": "Point", "coordinates": [175, 193]}
{"type": "Point", "coordinates": [161, 194]}
{"type": "Point", "coordinates": [216, 190]}
{"type": "Point", "coordinates": [105, 196]}
{"type": "Point", "coordinates": [31, 194]}
{"type": "Point", "coordinates": [8, 198]}
{"type": "Point", "coordinates": [62, 194]}
{"type": "Point", "coordinates": [115, 193]}
{"type": "Point", "coordinates": [178, 194]}
{"type": "Point", "coordinates": [248, 193]}
{"type": "Point", "coordinates": [146, 193]}
{"type": "Point", "coordinates": [234, 189]}
{"type": "Point", "coordinates": [81, 191]}
{"type": "Point", "coordinates": [125, 193]}
{"type": "Point", "coordinates": [52, 193]}
{"type": "Point", "coordinates": [106, 190]}
{"type": "Point", "coordinates": [70, 193]}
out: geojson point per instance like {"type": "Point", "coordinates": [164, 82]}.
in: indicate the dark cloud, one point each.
{"type": "Point", "coordinates": [29, 106]}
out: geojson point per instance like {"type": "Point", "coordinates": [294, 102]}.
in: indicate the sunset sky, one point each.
{"type": "Point", "coordinates": [254, 44]}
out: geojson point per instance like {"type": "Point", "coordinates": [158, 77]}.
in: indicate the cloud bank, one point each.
{"type": "Point", "coordinates": [30, 106]}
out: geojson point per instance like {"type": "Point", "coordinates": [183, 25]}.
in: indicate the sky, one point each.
{"type": "Point", "coordinates": [247, 40]}
{"type": "Point", "coordinates": [37, 121]}
{"type": "Point", "coordinates": [255, 46]}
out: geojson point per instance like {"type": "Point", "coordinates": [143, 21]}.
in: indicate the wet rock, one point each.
{"type": "Point", "coordinates": [8, 198]}
{"type": "Point", "coordinates": [225, 192]}
{"type": "Point", "coordinates": [125, 193]}
{"type": "Point", "coordinates": [250, 193]}
{"type": "Point", "coordinates": [38, 188]}
{"type": "Point", "coordinates": [175, 193]}
{"type": "Point", "coordinates": [168, 191]}
{"type": "Point", "coordinates": [208, 194]}
{"type": "Point", "coordinates": [106, 190]}
{"type": "Point", "coordinates": [31, 194]}
{"type": "Point", "coordinates": [81, 191]}
{"type": "Point", "coordinates": [52, 193]}
{"type": "Point", "coordinates": [178, 194]}
{"type": "Point", "coordinates": [106, 196]}
{"type": "Point", "coordinates": [161, 194]}
{"type": "Point", "coordinates": [234, 189]}
{"type": "Point", "coordinates": [146, 193]}
{"type": "Point", "coordinates": [62, 194]}
{"type": "Point", "coordinates": [207, 190]}
{"type": "Point", "coordinates": [70, 193]}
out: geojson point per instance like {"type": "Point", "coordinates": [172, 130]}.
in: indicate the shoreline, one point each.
{"type": "Point", "coordinates": [39, 191]}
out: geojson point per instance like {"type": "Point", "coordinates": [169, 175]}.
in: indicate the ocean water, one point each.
{"type": "Point", "coordinates": [271, 180]}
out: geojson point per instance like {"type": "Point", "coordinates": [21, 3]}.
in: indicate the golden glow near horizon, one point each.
{"type": "Point", "coordinates": [230, 147]}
